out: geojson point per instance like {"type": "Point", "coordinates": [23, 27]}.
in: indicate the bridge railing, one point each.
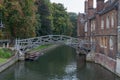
{"type": "Point", "coordinates": [88, 45]}
{"type": "Point", "coordinates": [27, 44]}
{"type": "Point", "coordinates": [4, 43]}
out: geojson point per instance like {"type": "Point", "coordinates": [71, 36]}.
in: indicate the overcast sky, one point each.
{"type": "Point", "coordinates": [73, 5]}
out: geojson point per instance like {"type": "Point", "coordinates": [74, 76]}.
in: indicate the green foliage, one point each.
{"type": "Point", "coordinates": [41, 47]}
{"type": "Point", "coordinates": [19, 17]}
{"type": "Point", "coordinates": [54, 19]}
{"type": "Point", "coordinates": [1, 34]}
{"type": "Point", "coordinates": [73, 19]}
{"type": "Point", "coordinates": [44, 10]}
{"type": "Point", "coordinates": [5, 53]}
{"type": "Point", "coordinates": [61, 21]}
{"type": "Point", "coordinates": [30, 18]}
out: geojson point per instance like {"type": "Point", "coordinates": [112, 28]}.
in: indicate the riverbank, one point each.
{"type": "Point", "coordinates": [5, 53]}
{"type": "Point", "coordinates": [39, 51]}
{"type": "Point", "coordinates": [6, 63]}
{"type": "Point", "coordinates": [7, 58]}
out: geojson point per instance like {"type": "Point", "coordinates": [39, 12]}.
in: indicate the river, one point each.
{"type": "Point", "coordinates": [60, 63]}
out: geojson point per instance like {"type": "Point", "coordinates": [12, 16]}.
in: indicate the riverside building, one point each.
{"type": "Point", "coordinates": [102, 26]}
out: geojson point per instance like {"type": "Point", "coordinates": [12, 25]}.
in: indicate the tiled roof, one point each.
{"type": "Point", "coordinates": [109, 7]}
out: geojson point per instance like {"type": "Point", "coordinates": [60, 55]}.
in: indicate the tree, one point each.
{"type": "Point", "coordinates": [73, 19]}
{"type": "Point", "coordinates": [28, 18]}
{"type": "Point", "coordinates": [44, 10]}
{"type": "Point", "coordinates": [19, 18]}
{"type": "Point", "coordinates": [61, 21]}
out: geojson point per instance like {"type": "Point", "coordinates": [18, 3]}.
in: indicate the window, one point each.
{"type": "Point", "coordinates": [102, 23]}
{"type": "Point", "coordinates": [111, 43]}
{"type": "Point", "coordinates": [86, 27]}
{"type": "Point", "coordinates": [92, 39]}
{"type": "Point", "coordinates": [85, 34]}
{"type": "Point", "coordinates": [92, 25]}
{"type": "Point", "coordinates": [107, 22]}
{"type": "Point", "coordinates": [103, 42]}
{"type": "Point", "coordinates": [112, 20]}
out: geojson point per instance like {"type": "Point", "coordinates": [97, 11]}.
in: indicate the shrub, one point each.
{"type": "Point", "coordinates": [5, 53]}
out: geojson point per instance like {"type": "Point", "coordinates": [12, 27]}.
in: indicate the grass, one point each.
{"type": "Point", "coordinates": [5, 54]}
{"type": "Point", "coordinates": [41, 47]}
{"type": "Point", "coordinates": [2, 60]}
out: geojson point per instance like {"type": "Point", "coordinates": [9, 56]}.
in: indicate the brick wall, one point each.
{"type": "Point", "coordinates": [105, 61]}
{"type": "Point", "coordinates": [80, 26]}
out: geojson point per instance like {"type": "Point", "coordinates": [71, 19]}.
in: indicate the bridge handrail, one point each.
{"type": "Point", "coordinates": [20, 40]}
{"type": "Point", "coordinates": [26, 44]}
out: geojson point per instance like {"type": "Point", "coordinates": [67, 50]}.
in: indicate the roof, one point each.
{"type": "Point", "coordinates": [111, 6]}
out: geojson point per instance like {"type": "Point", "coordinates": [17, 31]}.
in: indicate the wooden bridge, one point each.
{"type": "Point", "coordinates": [24, 45]}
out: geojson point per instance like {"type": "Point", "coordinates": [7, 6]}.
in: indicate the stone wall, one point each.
{"type": "Point", "coordinates": [9, 62]}
{"type": "Point", "coordinates": [106, 62]}
{"type": "Point", "coordinates": [118, 66]}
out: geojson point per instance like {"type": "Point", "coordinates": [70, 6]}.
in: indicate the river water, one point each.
{"type": "Point", "coordinates": [60, 63]}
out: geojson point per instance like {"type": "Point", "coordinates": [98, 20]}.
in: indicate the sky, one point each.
{"type": "Point", "coordinates": [73, 5]}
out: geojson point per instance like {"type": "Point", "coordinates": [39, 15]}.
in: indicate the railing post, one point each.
{"type": "Point", "coordinates": [71, 40]}
{"type": "Point", "coordinates": [61, 37]}
{"type": "Point", "coordinates": [40, 40]}
{"type": "Point", "coordinates": [50, 37]}
{"type": "Point", "coordinates": [8, 45]}
{"type": "Point", "coordinates": [16, 45]}
{"type": "Point", "coordinates": [3, 45]}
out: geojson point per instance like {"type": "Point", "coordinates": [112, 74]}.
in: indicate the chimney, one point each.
{"type": "Point", "coordinates": [86, 6]}
{"type": "Point", "coordinates": [100, 5]}
{"type": "Point", "coordinates": [90, 4]}
{"type": "Point", "coordinates": [90, 8]}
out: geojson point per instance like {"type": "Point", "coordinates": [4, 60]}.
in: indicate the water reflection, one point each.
{"type": "Point", "coordinates": [91, 71]}
{"type": "Point", "coordinates": [58, 64]}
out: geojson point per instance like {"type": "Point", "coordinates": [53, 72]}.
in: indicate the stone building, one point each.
{"type": "Point", "coordinates": [102, 26]}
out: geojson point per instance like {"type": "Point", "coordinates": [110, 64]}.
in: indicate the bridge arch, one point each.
{"type": "Point", "coordinates": [24, 45]}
